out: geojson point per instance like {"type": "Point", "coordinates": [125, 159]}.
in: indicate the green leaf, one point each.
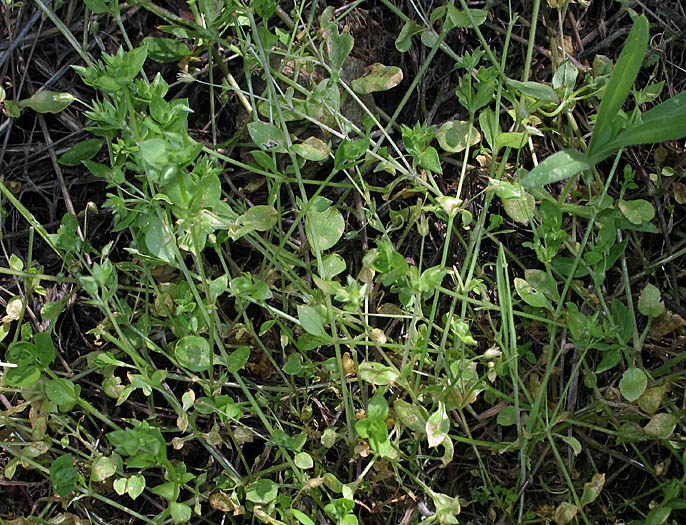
{"type": "Point", "coordinates": [620, 83]}
{"type": "Point", "coordinates": [437, 426]}
{"type": "Point", "coordinates": [592, 489]}
{"type": "Point", "coordinates": [103, 467]}
{"type": "Point", "coordinates": [180, 512]}
{"type": "Point", "coordinates": [303, 460]}
{"type": "Point", "coordinates": [650, 303]}
{"type": "Point", "coordinates": [63, 474]}
{"type": "Point", "coordinates": [261, 218]}
{"type": "Point", "coordinates": [377, 77]}
{"type": "Point", "coordinates": [301, 517]}
{"type": "Point", "coordinates": [633, 384]}
{"type": "Point", "coordinates": [62, 391]}
{"type": "Point", "coordinates": [459, 18]}
{"type": "Point", "coordinates": [324, 228]}
{"type": "Point", "coordinates": [159, 241]}
{"type": "Point", "coordinates": [237, 359]}
{"type": "Point", "coordinates": [535, 90]}
{"type": "Point", "coordinates": [97, 6]}
{"type": "Point", "coordinates": [262, 491]}
{"type": "Point", "coordinates": [163, 50]}
{"type": "Point", "coordinates": [557, 167]}
{"type": "Point", "coordinates": [456, 135]}
{"type": "Point", "coordinates": [507, 416]}
{"type": "Point", "coordinates": [531, 295]}
{"type": "Point", "coordinates": [637, 211]}
{"type": "Point", "coordinates": [404, 41]}
{"type": "Point", "coordinates": [377, 373]}
{"type": "Point", "coordinates": [611, 358]}
{"type": "Point", "coordinates": [47, 102]}
{"type": "Point", "coordinates": [410, 416]}
{"type": "Point", "coordinates": [429, 160]}
{"type": "Point", "coordinates": [573, 443]}
{"type": "Point", "coordinates": [313, 149]}
{"type": "Point", "coordinates": [511, 139]}
{"type": "Point", "coordinates": [311, 320]}
{"type": "Point", "coordinates": [661, 426]}
{"type": "Point", "coordinates": [267, 136]}
{"type": "Point", "coordinates": [84, 150]}
{"type": "Point", "coordinates": [193, 353]}
{"type": "Point", "coordinates": [156, 152]}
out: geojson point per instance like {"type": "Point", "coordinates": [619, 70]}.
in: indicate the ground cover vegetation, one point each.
{"type": "Point", "coordinates": [374, 262]}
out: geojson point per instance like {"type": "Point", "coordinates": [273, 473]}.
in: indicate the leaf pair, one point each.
{"type": "Point", "coordinates": [666, 121]}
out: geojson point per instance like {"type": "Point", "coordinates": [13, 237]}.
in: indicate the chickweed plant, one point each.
{"type": "Point", "coordinates": [334, 289]}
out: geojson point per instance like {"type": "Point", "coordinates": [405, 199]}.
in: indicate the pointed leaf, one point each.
{"type": "Point", "coordinates": [47, 102]}
{"type": "Point", "coordinates": [621, 82]}
{"type": "Point", "coordinates": [377, 77]}
{"type": "Point", "coordinates": [557, 167]}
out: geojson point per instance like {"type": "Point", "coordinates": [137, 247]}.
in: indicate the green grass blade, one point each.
{"type": "Point", "coordinates": [621, 82]}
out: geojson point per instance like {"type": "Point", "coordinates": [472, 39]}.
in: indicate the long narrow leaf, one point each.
{"type": "Point", "coordinates": [620, 83]}
{"type": "Point", "coordinates": [666, 121]}
{"type": "Point", "coordinates": [559, 166]}
{"type": "Point", "coordinates": [675, 107]}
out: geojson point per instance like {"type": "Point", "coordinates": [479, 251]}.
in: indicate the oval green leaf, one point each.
{"type": "Point", "coordinates": [633, 384]}
{"type": "Point", "coordinates": [84, 150]}
{"type": "Point", "coordinates": [193, 353]}
{"type": "Point", "coordinates": [455, 135]}
{"type": "Point", "coordinates": [377, 77]}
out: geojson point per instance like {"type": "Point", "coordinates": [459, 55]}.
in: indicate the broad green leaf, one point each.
{"type": "Point", "coordinates": [311, 320]}
{"type": "Point", "coordinates": [511, 139]}
{"type": "Point", "coordinates": [324, 228]}
{"type": "Point", "coordinates": [447, 508]}
{"type": "Point", "coordinates": [61, 391]}
{"type": "Point", "coordinates": [518, 204]}
{"type": "Point", "coordinates": [377, 77]}
{"type": "Point", "coordinates": [557, 167]}
{"type": "Point", "coordinates": [611, 358]}
{"type": "Point", "coordinates": [459, 18]}
{"type": "Point", "coordinates": [301, 517]}
{"type": "Point", "coordinates": [633, 384]}
{"type": "Point", "coordinates": [193, 353]}
{"type": "Point", "coordinates": [313, 149]}
{"type": "Point", "coordinates": [651, 400]}
{"type": "Point", "coordinates": [649, 303]}
{"type": "Point", "coordinates": [565, 76]}
{"type": "Point", "coordinates": [620, 83]}
{"type": "Point", "coordinates": [267, 136]}
{"type": "Point", "coordinates": [404, 41]}
{"type": "Point", "coordinates": [410, 415]}
{"type": "Point", "coordinates": [262, 491]}
{"type": "Point", "coordinates": [97, 6]}
{"type": "Point", "coordinates": [637, 211]}
{"type": "Point", "coordinates": [437, 426]}
{"type": "Point", "coordinates": [456, 135]}
{"type": "Point", "coordinates": [159, 241]}
{"type": "Point", "coordinates": [156, 152]}
{"type": "Point", "coordinates": [165, 50]}
{"type": "Point", "coordinates": [179, 512]}
{"type": "Point", "coordinates": [236, 360]}
{"type": "Point", "coordinates": [531, 295]}
{"type": "Point", "coordinates": [303, 460]}
{"type": "Point", "coordinates": [334, 264]}
{"type": "Point", "coordinates": [592, 489]}
{"type": "Point", "coordinates": [103, 467]}
{"type": "Point", "coordinates": [261, 218]}
{"type": "Point", "coordinates": [661, 426]}
{"type": "Point", "coordinates": [377, 373]}
{"type": "Point", "coordinates": [535, 90]}
{"type": "Point", "coordinates": [47, 102]}
{"type": "Point", "coordinates": [507, 416]}
{"type": "Point", "coordinates": [543, 282]}
{"type": "Point", "coordinates": [84, 150]}
{"type": "Point", "coordinates": [63, 475]}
